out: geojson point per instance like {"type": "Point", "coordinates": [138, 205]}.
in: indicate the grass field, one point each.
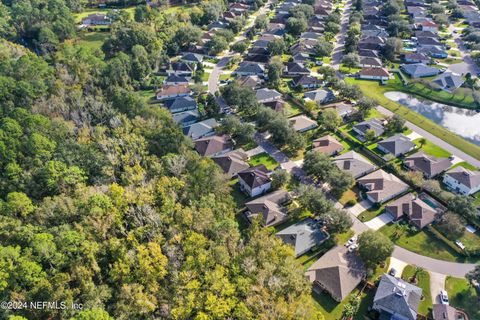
{"type": "Point", "coordinates": [92, 40]}
{"type": "Point", "coordinates": [333, 310]}
{"type": "Point", "coordinates": [466, 165]}
{"type": "Point", "coordinates": [371, 213]}
{"type": "Point", "coordinates": [420, 242]}
{"type": "Point", "coordinates": [463, 296]}
{"type": "Point", "coordinates": [79, 16]}
{"type": "Point", "coordinates": [423, 281]}
{"type": "Point", "coordinates": [348, 195]}
{"type": "Point", "coordinates": [374, 90]}
{"type": "Point", "coordinates": [432, 149]}
{"type": "Point", "coordinates": [265, 159]}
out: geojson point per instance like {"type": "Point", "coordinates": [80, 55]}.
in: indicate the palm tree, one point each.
{"type": "Point", "coordinates": [422, 141]}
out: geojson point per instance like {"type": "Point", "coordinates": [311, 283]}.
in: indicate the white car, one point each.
{"type": "Point", "coordinates": [351, 241]}
{"type": "Point", "coordinates": [353, 247]}
{"type": "Point", "coordinates": [444, 297]}
{"type": "Point", "coordinates": [460, 244]}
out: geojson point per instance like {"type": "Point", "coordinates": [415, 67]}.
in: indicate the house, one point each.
{"type": "Point", "coordinates": [302, 123]}
{"type": "Point", "coordinates": [252, 82]}
{"type": "Point", "coordinates": [354, 163]}
{"type": "Point", "coordinates": [181, 69]}
{"type": "Point", "coordinates": [303, 236]}
{"type": "Point", "coordinates": [370, 62]}
{"type": "Point", "coordinates": [419, 70]}
{"type": "Point", "coordinates": [416, 58]}
{"type": "Point", "coordinates": [306, 82]}
{"type": "Point", "coordinates": [277, 105]}
{"type": "Point", "coordinates": [328, 145]}
{"type": "Point", "coordinates": [310, 35]}
{"type": "Point", "coordinates": [232, 162]}
{"type": "Point", "coordinates": [462, 181]}
{"type": "Point", "coordinates": [428, 26]}
{"type": "Point", "coordinates": [319, 95]}
{"type": "Point", "coordinates": [97, 19]}
{"type": "Point", "coordinates": [429, 165]}
{"type": "Point", "coordinates": [174, 79]}
{"type": "Point", "coordinates": [445, 312]}
{"type": "Point", "coordinates": [214, 145]}
{"type": "Point", "coordinates": [343, 109]}
{"type": "Point", "coordinates": [192, 58]}
{"type": "Point", "coordinates": [372, 124]}
{"type": "Point", "coordinates": [449, 81]}
{"type": "Point", "coordinates": [396, 145]}
{"type": "Point", "coordinates": [250, 69]}
{"type": "Point", "coordinates": [255, 181]}
{"type": "Point", "coordinates": [434, 52]}
{"type": "Point", "coordinates": [374, 74]}
{"type": "Point", "coordinates": [397, 299]}
{"type": "Point", "coordinates": [180, 104]}
{"type": "Point", "coordinates": [269, 207]}
{"type": "Point", "coordinates": [428, 42]}
{"type": "Point", "coordinates": [381, 186]}
{"type": "Point", "coordinates": [186, 118]}
{"type": "Point", "coordinates": [337, 272]}
{"type": "Point", "coordinates": [426, 34]}
{"type": "Point", "coordinates": [301, 58]}
{"type": "Point", "coordinates": [368, 53]}
{"type": "Point", "coordinates": [418, 212]}
{"type": "Point", "coordinates": [266, 95]}
{"type": "Point", "coordinates": [173, 91]}
{"type": "Point", "coordinates": [201, 129]}
{"type": "Point", "coordinates": [295, 69]}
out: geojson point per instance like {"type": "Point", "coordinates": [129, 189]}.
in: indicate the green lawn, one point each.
{"type": "Point", "coordinates": [380, 270]}
{"type": "Point", "coordinates": [420, 242]}
{"type": "Point", "coordinates": [79, 16]}
{"type": "Point", "coordinates": [348, 195]}
{"type": "Point", "coordinates": [465, 164]}
{"type": "Point", "coordinates": [373, 89]}
{"type": "Point", "coordinates": [342, 238]}
{"type": "Point", "coordinates": [423, 281]}
{"type": "Point", "coordinates": [471, 240]}
{"type": "Point", "coordinates": [239, 197]}
{"type": "Point", "coordinates": [92, 40]}
{"type": "Point", "coordinates": [432, 149]}
{"type": "Point", "coordinates": [463, 296]}
{"type": "Point", "coordinates": [291, 109]}
{"type": "Point", "coordinates": [333, 310]}
{"type": "Point", "coordinates": [371, 213]}
{"type": "Point", "coordinates": [265, 159]}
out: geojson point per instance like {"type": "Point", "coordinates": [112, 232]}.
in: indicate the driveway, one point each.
{"type": "Point", "coordinates": [360, 207]}
{"type": "Point", "coordinates": [379, 221]}
{"type": "Point", "coordinates": [437, 284]}
{"type": "Point", "coordinates": [269, 148]}
{"type": "Point", "coordinates": [398, 265]}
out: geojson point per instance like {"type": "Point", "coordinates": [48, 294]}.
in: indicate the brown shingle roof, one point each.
{"type": "Point", "coordinates": [212, 145]}
{"type": "Point", "coordinates": [374, 72]}
{"type": "Point", "coordinates": [327, 144]}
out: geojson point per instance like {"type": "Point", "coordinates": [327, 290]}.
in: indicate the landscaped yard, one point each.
{"type": "Point", "coordinates": [373, 89]}
{"type": "Point", "coordinates": [423, 281]}
{"type": "Point", "coordinates": [471, 240]}
{"type": "Point", "coordinates": [420, 242]}
{"type": "Point", "coordinates": [463, 296]}
{"type": "Point", "coordinates": [290, 109]}
{"type": "Point", "coordinates": [265, 159]}
{"type": "Point", "coordinates": [349, 195]}
{"type": "Point", "coordinates": [432, 149]}
{"type": "Point", "coordinates": [333, 310]}
{"type": "Point", "coordinates": [92, 40]}
{"type": "Point", "coordinates": [371, 213]}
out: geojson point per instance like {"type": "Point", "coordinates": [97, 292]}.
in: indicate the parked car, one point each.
{"type": "Point", "coordinates": [353, 247]}
{"type": "Point", "coordinates": [392, 272]}
{"type": "Point", "coordinates": [460, 244]}
{"type": "Point", "coordinates": [444, 297]}
{"type": "Point", "coordinates": [351, 241]}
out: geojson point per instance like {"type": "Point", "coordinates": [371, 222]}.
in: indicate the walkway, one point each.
{"type": "Point", "coordinates": [379, 221]}
{"type": "Point", "coordinates": [436, 140]}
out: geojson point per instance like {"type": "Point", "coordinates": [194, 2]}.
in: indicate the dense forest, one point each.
{"type": "Point", "coordinates": [102, 200]}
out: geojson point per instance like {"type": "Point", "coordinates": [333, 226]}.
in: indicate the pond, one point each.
{"type": "Point", "coordinates": [465, 123]}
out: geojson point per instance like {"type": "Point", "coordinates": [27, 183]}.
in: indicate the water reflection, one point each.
{"type": "Point", "coordinates": [464, 122]}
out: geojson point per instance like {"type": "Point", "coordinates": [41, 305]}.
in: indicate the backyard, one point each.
{"type": "Point", "coordinates": [265, 159]}
{"type": "Point", "coordinates": [463, 296]}
{"type": "Point", "coordinates": [333, 310]}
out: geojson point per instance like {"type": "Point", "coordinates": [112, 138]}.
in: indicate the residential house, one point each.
{"type": "Point", "coordinates": [449, 81]}
{"type": "Point", "coordinates": [255, 181]}
{"type": "Point", "coordinates": [266, 95]}
{"type": "Point", "coordinates": [174, 79]}
{"type": "Point", "coordinates": [310, 35]}
{"type": "Point", "coordinates": [277, 105]}
{"type": "Point", "coordinates": [446, 312]}
{"type": "Point", "coordinates": [252, 82]}
{"type": "Point", "coordinates": [302, 123]}
{"type": "Point", "coordinates": [426, 34]}
{"type": "Point", "coordinates": [337, 272]}
{"type": "Point", "coordinates": [428, 26]}
{"type": "Point", "coordinates": [180, 104]}
{"type": "Point", "coordinates": [192, 58]}
{"type": "Point", "coordinates": [370, 62]}
{"type": "Point", "coordinates": [181, 69]}
{"type": "Point", "coordinates": [419, 70]}
{"type": "Point", "coordinates": [301, 58]}
{"type": "Point", "coordinates": [328, 145]}
{"type": "Point", "coordinates": [434, 52]}
{"type": "Point", "coordinates": [354, 163]}
{"type": "Point", "coordinates": [173, 91]}
{"type": "Point", "coordinates": [186, 118]}
{"type": "Point", "coordinates": [372, 124]}
{"type": "Point", "coordinates": [319, 96]}
{"type": "Point", "coordinates": [429, 165]}
{"type": "Point", "coordinates": [368, 53]}
{"type": "Point", "coordinates": [214, 145]}
{"type": "Point", "coordinates": [306, 82]}
{"type": "Point", "coordinates": [249, 69]}
{"type": "Point", "coordinates": [462, 181]}
{"type": "Point", "coordinates": [303, 236]}
{"type": "Point", "coordinates": [416, 58]}
{"type": "Point", "coordinates": [417, 211]}
{"type": "Point", "coordinates": [396, 145]}
{"type": "Point", "coordinates": [295, 69]}
{"type": "Point", "coordinates": [97, 19]}
{"type": "Point", "coordinates": [374, 74]}
{"type": "Point", "coordinates": [381, 186]}
{"type": "Point", "coordinates": [201, 129]}
{"type": "Point", "coordinates": [397, 299]}
{"type": "Point", "coordinates": [343, 108]}
{"type": "Point", "coordinates": [232, 162]}
{"type": "Point", "coordinates": [428, 42]}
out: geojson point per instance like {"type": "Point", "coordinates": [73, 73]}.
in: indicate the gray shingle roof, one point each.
{"type": "Point", "coordinates": [255, 176]}
{"type": "Point", "coordinates": [382, 185]}
{"type": "Point", "coordinates": [449, 81]}
{"type": "Point", "coordinates": [429, 165]}
{"type": "Point", "coordinates": [399, 296]}
{"type": "Point", "coordinates": [415, 70]}
{"type": "Point", "coordinates": [181, 103]}
{"type": "Point", "coordinates": [232, 162]}
{"type": "Point", "coordinates": [186, 117]}
{"type": "Point", "coordinates": [267, 94]}
{"type": "Point", "coordinates": [354, 163]}
{"type": "Point", "coordinates": [397, 144]}
{"type": "Point", "coordinates": [468, 178]}
{"type": "Point", "coordinates": [270, 207]}
{"type": "Point", "coordinates": [320, 95]}
{"type": "Point", "coordinates": [303, 235]}
{"type": "Point", "coordinates": [200, 129]}
{"type": "Point", "coordinates": [371, 124]}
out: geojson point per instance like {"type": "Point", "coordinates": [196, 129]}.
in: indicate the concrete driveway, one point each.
{"type": "Point", "coordinates": [379, 221]}
{"type": "Point", "coordinates": [437, 284]}
{"type": "Point", "coordinates": [398, 265]}
{"type": "Point", "coordinates": [360, 207]}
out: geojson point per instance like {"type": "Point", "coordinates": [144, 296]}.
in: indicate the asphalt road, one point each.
{"type": "Point", "coordinates": [340, 43]}
{"type": "Point", "coordinates": [436, 140]}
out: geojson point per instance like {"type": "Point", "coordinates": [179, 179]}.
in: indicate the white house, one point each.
{"type": "Point", "coordinates": [462, 181]}
{"type": "Point", "coordinates": [255, 181]}
{"type": "Point", "coordinates": [374, 74]}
